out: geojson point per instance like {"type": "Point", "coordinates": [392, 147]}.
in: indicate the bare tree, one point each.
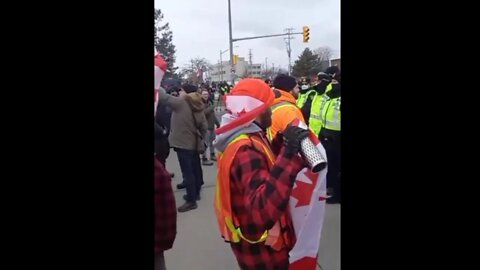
{"type": "Point", "coordinates": [194, 72]}
{"type": "Point", "coordinates": [324, 53]}
{"type": "Point", "coordinates": [268, 74]}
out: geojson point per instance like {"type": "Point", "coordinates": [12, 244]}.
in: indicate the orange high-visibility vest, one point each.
{"type": "Point", "coordinates": [227, 222]}
{"type": "Point", "coordinates": [284, 111]}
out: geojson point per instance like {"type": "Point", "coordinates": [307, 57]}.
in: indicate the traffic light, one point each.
{"type": "Point", "coordinates": [235, 59]}
{"type": "Point", "coordinates": [306, 34]}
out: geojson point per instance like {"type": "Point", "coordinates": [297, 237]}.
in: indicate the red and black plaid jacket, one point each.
{"type": "Point", "coordinates": [259, 197]}
{"type": "Point", "coordinates": [165, 210]}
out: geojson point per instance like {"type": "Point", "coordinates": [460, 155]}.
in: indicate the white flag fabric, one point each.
{"type": "Point", "coordinates": [307, 207]}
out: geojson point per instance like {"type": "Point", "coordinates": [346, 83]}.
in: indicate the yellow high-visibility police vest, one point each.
{"type": "Point", "coordinates": [331, 115]}
{"type": "Point", "coordinates": [318, 104]}
{"type": "Point", "coordinates": [302, 98]}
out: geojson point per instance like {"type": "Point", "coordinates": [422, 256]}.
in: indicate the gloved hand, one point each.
{"type": "Point", "coordinates": [292, 137]}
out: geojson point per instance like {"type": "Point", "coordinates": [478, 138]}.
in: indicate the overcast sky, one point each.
{"type": "Point", "coordinates": [200, 27]}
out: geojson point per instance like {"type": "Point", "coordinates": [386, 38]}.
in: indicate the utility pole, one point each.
{"type": "Point", "coordinates": [250, 56]}
{"type": "Point", "coordinates": [289, 48]}
{"type": "Point", "coordinates": [221, 61]}
{"type": "Point", "coordinates": [230, 41]}
{"type": "Point", "coordinates": [221, 67]}
{"type": "Point", "coordinates": [266, 66]}
{"type": "Point", "coordinates": [250, 62]}
{"type": "Point", "coordinates": [193, 73]}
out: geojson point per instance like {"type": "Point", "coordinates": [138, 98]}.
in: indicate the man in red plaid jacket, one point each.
{"type": "Point", "coordinates": [255, 179]}
{"type": "Point", "coordinates": [165, 214]}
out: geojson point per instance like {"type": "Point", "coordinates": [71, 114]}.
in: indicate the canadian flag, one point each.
{"type": "Point", "coordinates": [307, 207]}
{"type": "Point", "coordinates": [159, 67]}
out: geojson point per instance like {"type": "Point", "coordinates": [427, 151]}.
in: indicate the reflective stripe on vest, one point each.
{"type": "Point", "coordinates": [315, 120]}
{"type": "Point", "coordinates": [325, 98]}
{"type": "Point", "coordinates": [329, 88]}
{"type": "Point", "coordinates": [303, 98]}
{"type": "Point", "coordinates": [318, 104]}
{"type": "Point", "coordinates": [275, 107]}
{"type": "Point", "coordinates": [332, 115]}
{"type": "Point", "coordinates": [236, 233]}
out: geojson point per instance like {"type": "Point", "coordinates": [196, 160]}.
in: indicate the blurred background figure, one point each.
{"type": "Point", "coordinates": [212, 121]}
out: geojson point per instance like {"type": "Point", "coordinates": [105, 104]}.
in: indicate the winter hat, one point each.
{"type": "Point", "coordinates": [189, 88]}
{"type": "Point", "coordinates": [332, 70]}
{"type": "Point", "coordinates": [322, 76]}
{"type": "Point", "coordinates": [246, 101]}
{"type": "Point", "coordinates": [284, 82]}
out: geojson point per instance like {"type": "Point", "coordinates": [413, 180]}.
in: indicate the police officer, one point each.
{"type": "Point", "coordinates": [305, 91]}
{"type": "Point", "coordinates": [330, 134]}
{"type": "Point", "coordinates": [314, 102]}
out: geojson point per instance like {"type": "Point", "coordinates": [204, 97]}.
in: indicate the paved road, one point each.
{"type": "Point", "coordinates": [198, 245]}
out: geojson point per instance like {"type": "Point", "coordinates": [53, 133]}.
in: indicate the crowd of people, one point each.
{"type": "Point", "coordinates": [257, 150]}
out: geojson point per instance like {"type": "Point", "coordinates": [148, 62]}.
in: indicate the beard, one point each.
{"type": "Point", "coordinates": [264, 120]}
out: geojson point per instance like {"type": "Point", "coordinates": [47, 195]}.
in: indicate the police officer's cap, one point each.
{"type": "Point", "coordinates": [332, 70]}
{"type": "Point", "coordinates": [324, 76]}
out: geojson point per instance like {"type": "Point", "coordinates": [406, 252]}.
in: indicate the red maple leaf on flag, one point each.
{"type": "Point", "coordinates": [243, 111]}
{"type": "Point", "coordinates": [303, 191]}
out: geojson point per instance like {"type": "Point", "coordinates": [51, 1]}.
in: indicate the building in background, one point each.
{"type": "Point", "coordinates": [255, 70]}
{"type": "Point", "coordinates": [335, 62]}
{"type": "Point", "coordinates": [332, 62]}
{"type": "Point", "coordinates": [222, 71]}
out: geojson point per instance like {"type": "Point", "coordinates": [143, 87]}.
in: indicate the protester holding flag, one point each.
{"type": "Point", "coordinates": [305, 205]}
{"type": "Point", "coordinates": [255, 179]}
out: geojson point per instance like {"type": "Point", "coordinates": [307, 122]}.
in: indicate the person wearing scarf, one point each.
{"type": "Point", "coordinates": [255, 179]}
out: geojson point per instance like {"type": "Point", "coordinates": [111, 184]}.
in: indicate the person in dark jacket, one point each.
{"type": "Point", "coordinates": [161, 132]}
{"type": "Point", "coordinates": [188, 124]}
{"type": "Point", "coordinates": [212, 121]}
